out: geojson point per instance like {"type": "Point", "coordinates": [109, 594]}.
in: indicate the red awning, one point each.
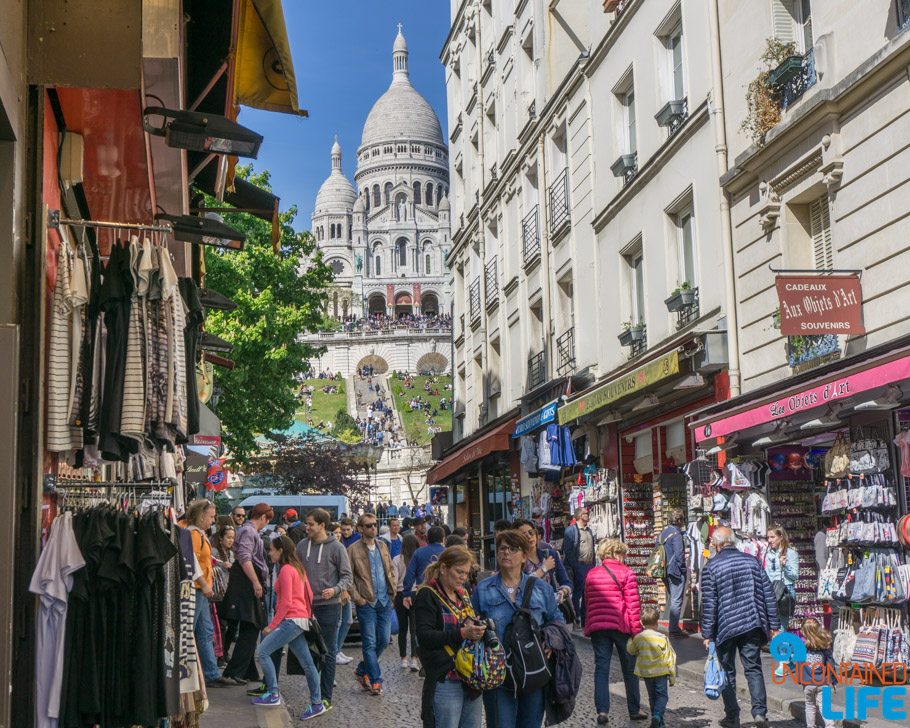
{"type": "Point", "coordinates": [493, 441]}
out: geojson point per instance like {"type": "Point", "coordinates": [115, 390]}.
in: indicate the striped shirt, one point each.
{"type": "Point", "coordinates": [655, 656]}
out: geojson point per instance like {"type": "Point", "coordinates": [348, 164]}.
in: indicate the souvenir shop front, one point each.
{"type": "Point", "coordinates": [827, 457]}
{"type": "Point", "coordinates": [637, 423]}
{"type": "Point", "coordinates": [481, 475]}
{"type": "Point", "coordinates": [116, 394]}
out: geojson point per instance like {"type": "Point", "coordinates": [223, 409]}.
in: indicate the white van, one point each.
{"type": "Point", "coordinates": [334, 504]}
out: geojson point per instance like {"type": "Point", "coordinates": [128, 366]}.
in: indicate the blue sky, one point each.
{"type": "Point", "coordinates": [342, 52]}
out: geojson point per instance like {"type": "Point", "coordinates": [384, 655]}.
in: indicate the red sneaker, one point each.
{"type": "Point", "coordinates": [364, 681]}
{"type": "Point", "coordinates": [376, 689]}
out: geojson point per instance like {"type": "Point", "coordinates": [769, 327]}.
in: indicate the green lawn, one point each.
{"type": "Point", "coordinates": [325, 406]}
{"type": "Point", "coordinates": [418, 418]}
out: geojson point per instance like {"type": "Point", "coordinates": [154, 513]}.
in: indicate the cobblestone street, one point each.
{"type": "Point", "coordinates": [399, 706]}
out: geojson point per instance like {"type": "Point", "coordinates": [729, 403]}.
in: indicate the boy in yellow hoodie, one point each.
{"type": "Point", "coordinates": [655, 663]}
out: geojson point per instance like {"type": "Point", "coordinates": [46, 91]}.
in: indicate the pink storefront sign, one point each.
{"type": "Point", "coordinates": [791, 403]}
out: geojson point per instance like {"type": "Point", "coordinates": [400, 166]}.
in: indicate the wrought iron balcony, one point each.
{"type": "Point", "coordinates": [530, 237]}
{"type": "Point", "coordinates": [673, 114]}
{"type": "Point", "coordinates": [640, 344]}
{"type": "Point", "coordinates": [626, 167]}
{"type": "Point", "coordinates": [559, 201]}
{"type": "Point", "coordinates": [475, 301]}
{"type": "Point", "coordinates": [565, 353]}
{"type": "Point", "coordinates": [494, 173]}
{"type": "Point", "coordinates": [684, 304]}
{"type": "Point", "coordinates": [793, 78]}
{"type": "Point", "coordinates": [491, 282]}
{"type": "Point", "coordinates": [532, 110]}
{"type": "Point", "coordinates": [537, 370]}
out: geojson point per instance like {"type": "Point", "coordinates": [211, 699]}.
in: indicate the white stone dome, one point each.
{"type": "Point", "coordinates": [401, 112]}
{"type": "Point", "coordinates": [337, 193]}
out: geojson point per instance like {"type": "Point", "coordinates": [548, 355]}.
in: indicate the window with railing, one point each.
{"type": "Point", "coordinates": [475, 301]}
{"type": "Point", "coordinates": [559, 201]}
{"type": "Point", "coordinates": [565, 353]}
{"type": "Point", "coordinates": [491, 282]}
{"type": "Point", "coordinates": [640, 344]}
{"type": "Point", "coordinates": [537, 370]}
{"type": "Point", "coordinates": [530, 237]}
{"type": "Point", "coordinates": [794, 77]}
{"type": "Point", "coordinates": [688, 310]}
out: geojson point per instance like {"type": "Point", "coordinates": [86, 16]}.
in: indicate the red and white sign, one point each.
{"type": "Point", "coordinates": [811, 305]}
{"type": "Point", "coordinates": [790, 404]}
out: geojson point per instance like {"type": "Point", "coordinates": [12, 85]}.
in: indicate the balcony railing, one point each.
{"type": "Point", "coordinates": [626, 167]}
{"type": "Point", "coordinates": [475, 301]}
{"type": "Point", "coordinates": [532, 110]}
{"type": "Point", "coordinates": [559, 201]}
{"type": "Point", "coordinates": [565, 353]}
{"type": "Point", "coordinates": [537, 370]}
{"type": "Point", "coordinates": [673, 114]}
{"type": "Point", "coordinates": [491, 282]}
{"type": "Point", "coordinates": [494, 173]}
{"type": "Point", "coordinates": [795, 84]}
{"type": "Point", "coordinates": [530, 237]}
{"type": "Point", "coordinates": [641, 344]}
{"type": "Point", "coordinates": [687, 313]}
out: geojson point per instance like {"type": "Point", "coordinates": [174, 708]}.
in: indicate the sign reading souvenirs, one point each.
{"type": "Point", "coordinates": [630, 383]}
{"type": "Point", "coordinates": [820, 305]}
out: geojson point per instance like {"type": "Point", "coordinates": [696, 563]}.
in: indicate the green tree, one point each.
{"type": "Point", "coordinates": [279, 296]}
{"type": "Point", "coordinates": [346, 425]}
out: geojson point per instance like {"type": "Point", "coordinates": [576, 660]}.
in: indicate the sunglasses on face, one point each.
{"type": "Point", "coordinates": [239, 515]}
{"type": "Point", "coordinates": [368, 525]}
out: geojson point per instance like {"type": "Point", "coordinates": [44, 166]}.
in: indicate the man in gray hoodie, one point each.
{"type": "Point", "coordinates": [329, 573]}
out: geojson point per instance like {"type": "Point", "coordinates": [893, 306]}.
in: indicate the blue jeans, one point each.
{"type": "Point", "coordinates": [749, 646]}
{"type": "Point", "coordinates": [604, 640]}
{"type": "Point", "coordinates": [344, 624]}
{"type": "Point", "coordinates": [525, 711]}
{"type": "Point", "coordinates": [452, 709]}
{"type": "Point", "coordinates": [676, 591]}
{"type": "Point", "coordinates": [205, 635]}
{"type": "Point", "coordinates": [288, 633]}
{"type": "Point", "coordinates": [579, 576]}
{"type": "Point", "coordinates": [658, 695]}
{"type": "Point", "coordinates": [375, 631]}
{"type": "Point", "coordinates": [327, 616]}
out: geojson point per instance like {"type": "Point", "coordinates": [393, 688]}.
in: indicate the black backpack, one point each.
{"type": "Point", "coordinates": [521, 640]}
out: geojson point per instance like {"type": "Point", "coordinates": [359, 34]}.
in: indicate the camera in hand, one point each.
{"type": "Point", "coordinates": [489, 636]}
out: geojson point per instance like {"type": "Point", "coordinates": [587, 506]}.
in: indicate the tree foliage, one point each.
{"type": "Point", "coordinates": [310, 467]}
{"type": "Point", "coordinates": [346, 425]}
{"type": "Point", "coordinates": [279, 297]}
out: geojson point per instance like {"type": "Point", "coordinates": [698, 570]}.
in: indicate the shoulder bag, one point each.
{"type": "Point", "coordinates": [837, 459]}
{"type": "Point", "coordinates": [622, 596]}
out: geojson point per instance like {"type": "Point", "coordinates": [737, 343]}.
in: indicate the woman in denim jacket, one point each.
{"type": "Point", "coordinates": [497, 597]}
{"type": "Point", "coordinates": [782, 565]}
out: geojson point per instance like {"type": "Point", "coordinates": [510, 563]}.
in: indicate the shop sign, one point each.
{"type": "Point", "coordinates": [790, 404]}
{"type": "Point", "coordinates": [543, 416]}
{"type": "Point", "coordinates": [196, 467]}
{"type": "Point", "coordinates": [438, 495]}
{"type": "Point", "coordinates": [205, 440]}
{"type": "Point", "coordinates": [630, 383]}
{"type": "Point", "coordinates": [820, 305]}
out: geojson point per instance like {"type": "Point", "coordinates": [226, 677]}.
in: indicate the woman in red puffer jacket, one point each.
{"type": "Point", "coordinates": [613, 613]}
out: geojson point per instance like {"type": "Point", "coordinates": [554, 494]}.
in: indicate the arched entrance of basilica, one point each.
{"type": "Point", "coordinates": [404, 305]}
{"type": "Point", "coordinates": [380, 365]}
{"type": "Point", "coordinates": [376, 305]}
{"type": "Point", "coordinates": [429, 304]}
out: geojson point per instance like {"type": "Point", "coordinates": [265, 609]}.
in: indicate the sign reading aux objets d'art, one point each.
{"type": "Point", "coordinates": [812, 305]}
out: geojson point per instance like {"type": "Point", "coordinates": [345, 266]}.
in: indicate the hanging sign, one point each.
{"type": "Point", "coordinates": [543, 416]}
{"type": "Point", "coordinates": [811, 305]}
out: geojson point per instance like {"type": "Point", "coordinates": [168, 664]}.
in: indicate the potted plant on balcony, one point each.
{"type": "Point", "coordinates": [682, 296]}
{"type": "Point", "coordinates": [638, 331]}
{"type": "Point", "coordinates": [670, 110]}
{"type": "Point", "coordinates": [625, 338]}
{"type": "Point", "coordinates": [786, 71]}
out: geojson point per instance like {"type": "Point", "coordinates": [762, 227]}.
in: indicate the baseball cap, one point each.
{"type": "Point", "coordinates": [290, 514]}
{"type": "Point", "coordinates": [420, 519]}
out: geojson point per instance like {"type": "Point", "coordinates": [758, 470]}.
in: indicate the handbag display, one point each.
{"type": "Point", "coordinates": [827, 579]}
{"type": "Point", "coordinates": [868, 455]}
{"type": "Point", "coordinates": [844, 636]}
{"type": "Point", "coordinates": [837, 459]}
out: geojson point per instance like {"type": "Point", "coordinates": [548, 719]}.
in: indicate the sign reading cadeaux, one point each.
{"type": "Point", "coordinates": [811, 305]}
{"type": "Point", "coordinates": [630, 383]}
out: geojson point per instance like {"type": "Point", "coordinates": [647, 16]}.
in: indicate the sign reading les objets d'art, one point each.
{"type": "Point", "coordinates": [812, 305]}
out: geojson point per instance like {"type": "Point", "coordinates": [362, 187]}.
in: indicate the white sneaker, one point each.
{"type": "Point", "coordinates": [415, 665]}
{"type": "Point", "coordinates": [404, 663]}
{"type": "Point", "coordinates": [343, 659]}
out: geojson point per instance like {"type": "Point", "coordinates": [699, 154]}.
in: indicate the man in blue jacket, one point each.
{"type": "Point", "coordinates": [422, 558]}
{"type": "Point", "coordinates": [579, 548]}
{"type": "Point", "coordinates": [675, 580]}
{"type": "Point", "coordinates": [739, 613]}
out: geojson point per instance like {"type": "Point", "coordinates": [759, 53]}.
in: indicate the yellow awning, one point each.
{"type": "Point", "coordinates": [264, 72]}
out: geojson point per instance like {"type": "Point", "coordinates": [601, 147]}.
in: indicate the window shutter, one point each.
{"type": "Point", "coordinates": [782, 20]}
{"type": "Point", "coordinates": [820, 227]}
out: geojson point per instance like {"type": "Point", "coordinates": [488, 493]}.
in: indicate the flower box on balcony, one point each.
{"type": "Point", "coordinates": [669, 111]}
{"type": "Point", "coordinates": [625, 338]}
{"type": "Point", "coordinates": [611, 5]}
{"type": "Point", "coordinates": [638, 332]}
{"type": "Point", "coordinates": [680, 299]}
{"type": "Point", "coordinates": [622, 166]}
{"type": "Point", "coordinates": [787, 70]}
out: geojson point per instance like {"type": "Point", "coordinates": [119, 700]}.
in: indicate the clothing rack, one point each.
{"type": "Point", "coordinates": [55, 221]}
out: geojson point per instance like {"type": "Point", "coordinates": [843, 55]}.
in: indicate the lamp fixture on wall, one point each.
{"type": "Point", "coordinates": [199, 132]}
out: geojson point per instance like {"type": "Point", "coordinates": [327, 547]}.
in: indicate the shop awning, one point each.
{"type": "Point", "coordinates": [543, 416]}
{"type": "Point", "coordinates": [856, 380]}
{"type": "Point", "coordinates": [264, 72]}
{"type": "Point", "coordinates": [495, 440]}
{"type": "Point", "coordinates": [622, 386]}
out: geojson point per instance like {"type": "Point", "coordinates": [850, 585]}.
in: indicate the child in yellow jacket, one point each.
{"type": "Point", "coordinates": [655, 663]}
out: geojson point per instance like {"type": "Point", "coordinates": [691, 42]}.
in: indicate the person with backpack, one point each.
{"type": "Point", "coordinates": [614, 615]}
{"type": "Point", "coordinates": [519, 605]}
{"type": "Point", "coordinates": [445, 619]}
{"type": "Point", "coordinates": [675, 568]}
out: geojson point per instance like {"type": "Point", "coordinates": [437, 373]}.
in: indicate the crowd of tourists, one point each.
{"type": "Point", "coordinates": [379, 322]}
{"type": "Point", "coordinates": [298, 586]}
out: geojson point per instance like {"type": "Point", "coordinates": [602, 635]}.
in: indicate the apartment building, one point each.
{"type": "Point", "coordinates": [587, 265]}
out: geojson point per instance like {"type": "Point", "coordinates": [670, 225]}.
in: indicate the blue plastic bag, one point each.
{"type": "Point", "coordinates": [715, 677]}
{"type": "Point", "coordinates": [394, 622]}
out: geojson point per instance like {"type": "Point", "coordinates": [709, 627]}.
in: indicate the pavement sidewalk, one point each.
{"type": "Point", "coordinates": [231, 708]}
{"type": "Point", "coordinates": [786, 698]}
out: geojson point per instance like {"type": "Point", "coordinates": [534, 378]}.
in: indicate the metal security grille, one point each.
{"type": "Point", "coordinates": [475, 301]}
{"type": "Point", "coordinates": [491, 282]}
{"type": "Point", "coordinates": [537, 370]}
{"type": "Point", "coordinates": [559, 201]}
{"type": "Point", "coordinates": [565, 353]}
{"type": "Point", "coordinates": [530, 236]}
